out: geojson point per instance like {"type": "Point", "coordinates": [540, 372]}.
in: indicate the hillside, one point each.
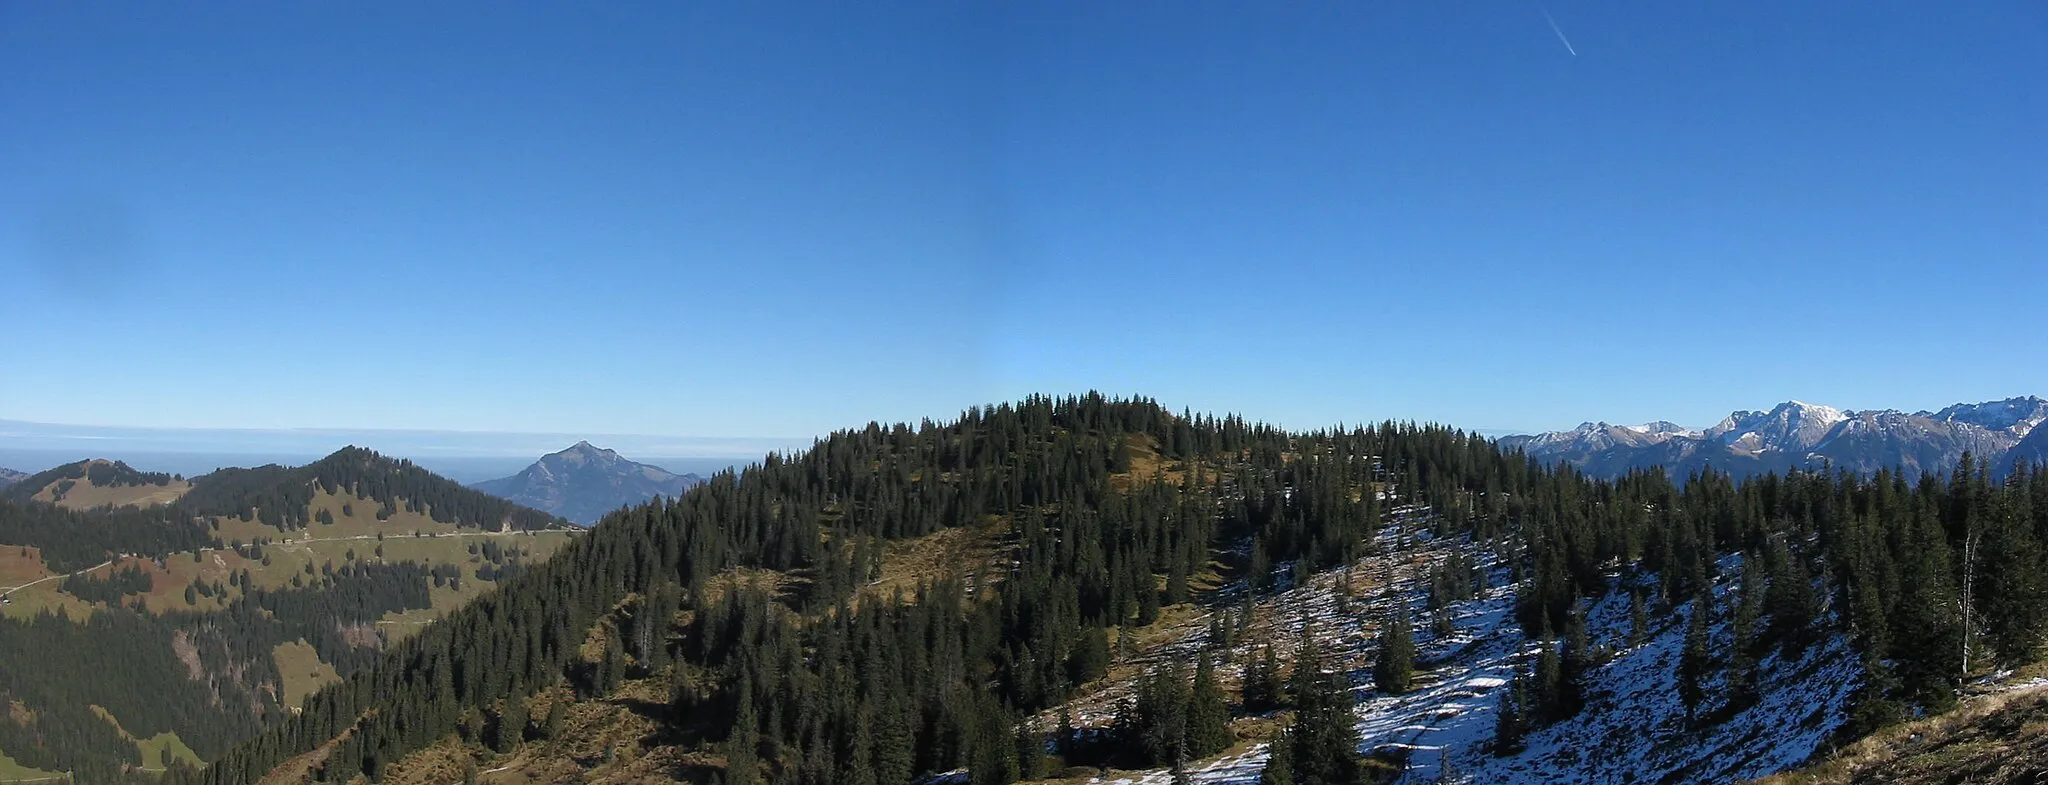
{"type": "Point", "coordinates": [10, 477]}
{"type": "Point", "coordinates": [98, 483]}
{"type": "Point", "coordinates": [1427, 605]}
{"type": "Point", "coordinates": [127, 631]}
{"type": "Point", "coordinates": [282, 496]}
{"type": "Point", "coordinates": [1999, 737]}
{"type": "Point", "coordinates": [583, 482]}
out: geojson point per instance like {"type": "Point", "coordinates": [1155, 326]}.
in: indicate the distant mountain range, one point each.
{"type": "Point", "coordinates": [10, 477]}
{"type": "Point", "coordinates": [1797, 435]}
{"type": "Point", "coordinates": [584, 482]}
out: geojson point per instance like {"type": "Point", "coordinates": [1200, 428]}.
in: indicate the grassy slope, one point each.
{"type": "Point", "coordinates": [11, 771]}
{"type": "Point", "coordinates": [406, 536]}
{"type": "Point", "coordinates": [302, 670]}
{"type": "Point", "coordinates": [1999, 737]}
{"type": "Point", "coordinates": [153, 747]}
{"type": "Point", "coordinates": [84, 495]}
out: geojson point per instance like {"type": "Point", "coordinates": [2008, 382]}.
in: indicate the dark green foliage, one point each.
{"type": "Point", "coordinates": [280, 496]}
{"type": "Point", "coordinates": [1511, 721]}
{"type": "Point", "coordinates": [1638, 619]}
{"type": "Point", "coordinates": [1322, 742]}
{"type": "Point", "coordinates": [508, 728]}
{"type": "Point", "coordinates": [1695, 662]}
{"type": "Point", "coordinates": [73, 540]}
{"type": "Point", "coordinates": [950, 672]}
{"type": "Point", "coordinates": [1263, 688]}
{"type": "Point", "coordinates": [121, 661]}
{"type": "Point", "coordinates": [105, 474]}
{"type": "Point", "coordinates": [1208, 727]}
{"type": "Point", "coordinates": [1153, 725]}
{"type": "Point", "coordinates": [109, 590]}
{"type": "Point", "coordinates": [1394, 666]}
{"type": "Point", "coordinates": [1170, 719]}
{"type": "Point", "coordinates": [1280, 763]}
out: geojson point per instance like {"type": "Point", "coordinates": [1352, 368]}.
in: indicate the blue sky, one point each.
{"type": "Point", "coordinates": [765, 219]}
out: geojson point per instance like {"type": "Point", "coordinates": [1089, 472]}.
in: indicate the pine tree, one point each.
{"type": "Point", "coordinates": [742, 745]}
{"type": "Point", "coordinates": [1030, 753]}
{"type": "Point", "coordinates": [1324, 735]}
{"type": "Point", "coordinates": [1208, 723]}
{"type": "Point", "coordinates": [1155, 721]}
{"type": "Point", "coordinates": [893, 749]}
{"type": "Point", "coordinates": [1279, 768]}
{"type": "Point", "coordinates": [1263, 689]}
{"type": "Point", "coordinates": [1742, 641]}
{"type": "Point", "coordinates": [1395, 665]}
{"type": "Point", "coordinates": [1510, 724]}
{"type": "Point", "coordinates": [1695, 661]}
{"type": "Point", "coordinates": [510, 730]}
{"type": "Point", "coordinates": [1638, 619]}
{"type": "Point", "coordinates": [2010, 588]}
{"type": "Point", "coordinates": [558, 715]}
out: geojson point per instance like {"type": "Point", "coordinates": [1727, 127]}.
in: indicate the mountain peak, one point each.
{"type": "Point", "coordinates": [583, 481]}
{"type": "Point", "coordinates": [1796, 434]}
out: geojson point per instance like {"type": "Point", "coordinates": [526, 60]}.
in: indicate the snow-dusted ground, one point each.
{"type": "Point", "coordinates": [1632, 730]}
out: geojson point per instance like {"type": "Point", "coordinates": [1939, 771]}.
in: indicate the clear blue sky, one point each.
{"type": "Point", "coordinates": [750, 219]}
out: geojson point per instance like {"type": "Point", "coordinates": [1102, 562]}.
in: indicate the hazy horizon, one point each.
{"type": "Point", "coordinates": [466, 456]}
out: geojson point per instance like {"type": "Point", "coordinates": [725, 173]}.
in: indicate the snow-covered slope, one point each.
{"type": "Point", "coordinates": [1632, 730]}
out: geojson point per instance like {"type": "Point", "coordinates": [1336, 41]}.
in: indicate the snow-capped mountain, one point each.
{"type": "Point", "coordinates": [1799, 435]}
{"type": "Point", "coordinates": [1792, 425]}
{"type": "Point", "coordinates": [584, 482]}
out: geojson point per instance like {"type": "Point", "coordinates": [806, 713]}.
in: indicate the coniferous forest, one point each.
{"type": "Point", "coordinates": [208, 675]}
{"type": "Point", "coordinates": [821, 684]}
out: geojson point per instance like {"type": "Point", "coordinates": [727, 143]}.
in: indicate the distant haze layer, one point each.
{"type": "Point", "coordinates": [460, 455]}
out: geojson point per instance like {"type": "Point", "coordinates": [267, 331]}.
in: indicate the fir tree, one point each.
{"type": "Point", "coordinates": [1395, 665]}
{"type": "Point", "coordinates": [1510, 723]}
{"type": "Point", "coordinates": [1695, 662]}
{"type": "Point", "coordinates": [1208, 723]}
{"type": "Point", "coordinates": [1263, 688]}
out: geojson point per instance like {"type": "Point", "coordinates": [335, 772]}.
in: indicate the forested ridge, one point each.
{"type": "Point", "coordinates": [276, 495]}
{"type": "Point", "coordinates": [881, 690]}
{"type": "Point", "coordinates": [208, 675]}
{"type": "Point", "coordinates": [279, 496]}
{"type": "Point", "coordinates": [110, 474]}
{"type": "Point", "coordinates": [822, 683]}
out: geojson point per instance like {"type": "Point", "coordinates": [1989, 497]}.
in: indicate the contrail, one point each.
{"type": "Point", "coordinates": [1560, 32]}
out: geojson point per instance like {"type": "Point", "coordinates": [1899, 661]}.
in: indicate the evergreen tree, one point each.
{"type": "Point", "coordinates": [741, 747]}
{"type": "Point", "coordinates": [1324, 737]}
{"type": "Point", "coordinates": [510, 729]}
{"type": "Point", "coordinates": [1395, 666]}
{"type": "Point", "coordinates": [1208, 723]}
{"type": "Point", "coordinates": [1263, 688]}
{"type": "Point", "coordinates": [1279, 768]}
{"type": "Point", "coordinates": [1510, 723]}
{"type": "Point", "coordinates": [1695, 662]}
{"type": "Point", "coordinates": [1638, 619]}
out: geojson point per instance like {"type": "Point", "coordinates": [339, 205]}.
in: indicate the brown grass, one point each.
{"type": "Point", "coordinates": [302, 670]}
{"type": "Point", "coordinates": [980, 550]}
{"type": "Point", "coordinates": [1998, 738]}
{"type": "Point", "coordinates": [84, 495]}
